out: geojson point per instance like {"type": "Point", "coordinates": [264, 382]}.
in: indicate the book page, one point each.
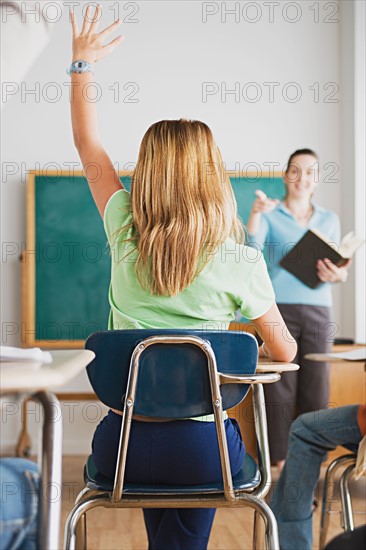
{"type": "Point", "coordinates": [350, 243]}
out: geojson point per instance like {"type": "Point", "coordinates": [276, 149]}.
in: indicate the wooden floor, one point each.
{"type": "Point", "coordinates": [232, 530]}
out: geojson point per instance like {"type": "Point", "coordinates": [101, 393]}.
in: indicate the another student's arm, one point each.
{"type": "Point", "coordinates": [88, 46]}
{"type": "Point", "coordinates": [279, 344]}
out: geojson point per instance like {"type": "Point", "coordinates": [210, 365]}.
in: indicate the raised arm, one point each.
{"type": "Point", "coordinates": [88, 46]}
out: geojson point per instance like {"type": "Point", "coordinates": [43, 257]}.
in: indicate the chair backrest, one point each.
{"type": "Point", "coordinates": [173, 380]}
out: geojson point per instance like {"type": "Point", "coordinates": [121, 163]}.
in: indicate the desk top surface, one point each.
{"type": "Point", "coordinates": [353, 353]}
{"type": "Point", "coordinates": [67, 364]}
{"type": "Point", "coordinates": [266, 365]}
{"type": "Point", "coordinates": [26, 376]}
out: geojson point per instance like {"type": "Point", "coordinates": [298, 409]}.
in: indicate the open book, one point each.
{"type": "Point", "coordinates": [313, 246]}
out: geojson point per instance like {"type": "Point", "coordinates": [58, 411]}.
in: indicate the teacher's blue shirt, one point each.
{"type": "Point", "coordinates": [278, 233]}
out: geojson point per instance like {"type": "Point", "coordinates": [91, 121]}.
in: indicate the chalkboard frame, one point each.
{"type": "Point", "coordinates": [29, 256]}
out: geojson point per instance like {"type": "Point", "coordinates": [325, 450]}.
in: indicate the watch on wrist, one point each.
{"type": "Point", "coordinates": [80, 67]}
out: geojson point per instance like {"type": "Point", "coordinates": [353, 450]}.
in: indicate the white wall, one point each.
{"type": "Point", "coordinates": [171, 50]}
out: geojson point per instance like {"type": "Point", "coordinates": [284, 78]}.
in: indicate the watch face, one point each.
{"type": "Point", "coordinates": [80, 67]}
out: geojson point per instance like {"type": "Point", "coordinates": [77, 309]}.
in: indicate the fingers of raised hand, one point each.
{"type": "Point", "coordinates": [87, 20]}
{"type": "Point", "coordinates": [89, 23]}
{"type": "Point", "coordinates": [107, 31]}
{"type": "Point", "coordinates": [110, 47]}
{"type": "Point", "coordinates": [96, 19]}
{"type": "Point", "coordinates": [75, 28]}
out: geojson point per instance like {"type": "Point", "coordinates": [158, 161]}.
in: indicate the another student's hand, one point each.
{"type": "Point", "coordinates": [87, 45]}
{"type": "Point", "coordinates": [328, 272]}
{"type": "Point", "coordinates": [263, 204]}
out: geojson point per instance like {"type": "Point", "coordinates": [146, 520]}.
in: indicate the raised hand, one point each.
{"type": "Point", "coordinates": [87, 45]}
{"type": "Point", "coordinates": [263, 204]}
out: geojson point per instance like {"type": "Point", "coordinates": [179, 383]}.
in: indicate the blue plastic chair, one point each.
{"type": "Point", "coordinates": [177, 374]}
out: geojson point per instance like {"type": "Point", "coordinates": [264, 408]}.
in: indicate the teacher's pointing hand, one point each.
{"type": "Point", "coordinates": [263, 204]}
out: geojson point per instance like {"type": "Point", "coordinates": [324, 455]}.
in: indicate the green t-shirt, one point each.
{"type": "Point", "coordinates": [235, 278]}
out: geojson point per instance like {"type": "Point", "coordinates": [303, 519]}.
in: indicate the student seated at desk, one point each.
{"type": "Point", "coordinates": [172, 267]}
{"type": "Point", "coordinates": [312, 436]}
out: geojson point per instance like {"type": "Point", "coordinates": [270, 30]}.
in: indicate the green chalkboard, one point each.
{"type": "Point", "coordinates": [67, 272]}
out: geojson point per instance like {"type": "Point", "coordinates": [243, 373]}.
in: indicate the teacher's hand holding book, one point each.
{"type": "Point", "coordinates": [314, 260]}
{"type": "Point", "coordinates": [328, 272]}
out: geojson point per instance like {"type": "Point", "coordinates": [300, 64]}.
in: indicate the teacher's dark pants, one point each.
{"type": "Point", "coordinates": [183, 452]}
{"type": "Point", "coordinates": [305, 390]}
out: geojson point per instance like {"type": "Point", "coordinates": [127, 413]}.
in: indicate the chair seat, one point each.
{"type": "Point", "coordinates": [247, 478]}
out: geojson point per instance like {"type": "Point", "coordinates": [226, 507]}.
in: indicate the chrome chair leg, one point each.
{"type": "Point", "coordinates": [78, 539]}
{"type": "Point", "coordinates": [270, 523]}
{"type": "Point", "coordinates": [255, 531]}
{"type": "Point", "coordinates": [81, 533]}
{"type": "Point", "coordinates": [92, 499]}
{"type": "Point", "coordinates": [346, 502]}
{"type": "Point", "coordinates": [328, 492]}
{"type": "Point", "coordinates": [51, 471]}
{"type": "Point", "coordinates": [70, 530]}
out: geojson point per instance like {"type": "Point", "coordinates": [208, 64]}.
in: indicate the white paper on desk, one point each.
{"type": "Point", "coordinates": [354, 355]}
{"type": "Point", "coordinates": [32, 355]}
{"type": "Point", "coordinates": [24, 365]}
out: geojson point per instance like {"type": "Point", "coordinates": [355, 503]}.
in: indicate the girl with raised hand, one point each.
{"type": "Point", "coordinates": [173, 266]}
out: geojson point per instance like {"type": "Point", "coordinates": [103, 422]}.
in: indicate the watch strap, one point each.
{"type": "Point", "coordinates": [80, 67]}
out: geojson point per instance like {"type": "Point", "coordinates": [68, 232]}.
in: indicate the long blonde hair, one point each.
{"type": "Point", "coordinates": [182, 205]}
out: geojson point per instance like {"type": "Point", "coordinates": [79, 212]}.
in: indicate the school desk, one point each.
{"type": "Point", "coordinates": [347, 382]}
{"type": "Point", "coordinates": [23, 380]}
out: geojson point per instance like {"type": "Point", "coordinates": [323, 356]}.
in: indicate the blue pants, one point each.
{"type": "Point", "coordinates": [183, 452]}
{"type": "Point", "coordinates": [312, 435]}
{"type": "Point", "coordinates": [19, 481]}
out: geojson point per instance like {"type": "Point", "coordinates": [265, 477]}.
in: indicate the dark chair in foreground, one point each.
{"type": "Point", "coordinates": [177, 374]}
{"type": "Point", "coordinates": [348, 462]}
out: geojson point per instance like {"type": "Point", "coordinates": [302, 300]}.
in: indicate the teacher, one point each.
{"type": "Point", "coordinates": [277, 226]}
